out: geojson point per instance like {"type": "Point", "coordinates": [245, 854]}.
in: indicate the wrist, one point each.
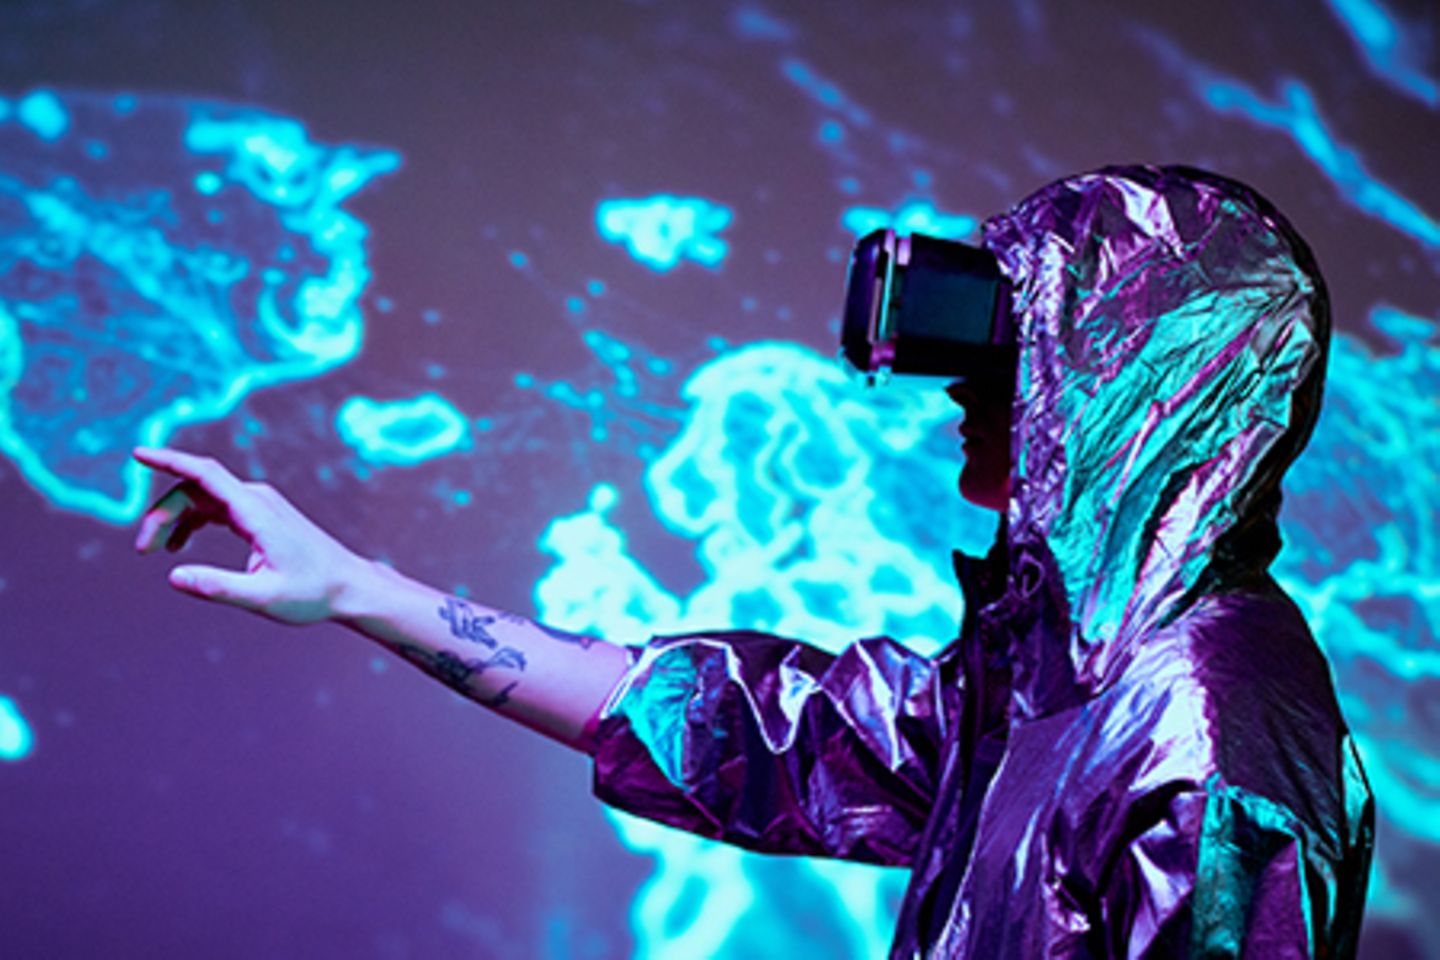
{"type": "Point", "coordinates": [358, 591]}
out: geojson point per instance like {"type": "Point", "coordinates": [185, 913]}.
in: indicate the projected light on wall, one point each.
{"type": "Point", "coordinates": [16, 738]}
{"type": "Point", "coordinates": [662, 230]}
{"type": "Point", "coordinates": [160, 259]}
{"type": "Point", "coordinates": [402, 431]}
{"type": "Point", "coordinates": [636, 352]}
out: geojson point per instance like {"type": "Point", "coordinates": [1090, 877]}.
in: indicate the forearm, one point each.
{"type": "Point", "coordinates": [551, 681]}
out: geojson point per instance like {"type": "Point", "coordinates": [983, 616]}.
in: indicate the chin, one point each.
{"type": "Point", "coordinates": [988, 496]}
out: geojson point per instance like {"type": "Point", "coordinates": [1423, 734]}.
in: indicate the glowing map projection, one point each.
{"type": "Point", "coordinates": [599, 375]}
{"type": "Point", "coordinates": [1362, 558]}
{"type": "Point", "coordinates": [402, 432]}
{"type": "Point", "coordinates": [16, 738]}
{"type": "Point", "coordinates": [1395, 50]}
{"type": "Point", "coordinates": [160, 259]}
{"type": "Point", "coordinates": [1297, 114]}
{"type": "Point", "coordinates": [662, 230]}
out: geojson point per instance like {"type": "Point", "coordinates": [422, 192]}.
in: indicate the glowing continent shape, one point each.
{"type": "Point", "coordinates": [160, 258]}
{"type": "Point", "coordinates": [663, 230]}
{"type": "Point", "coordinates": [402, 432]}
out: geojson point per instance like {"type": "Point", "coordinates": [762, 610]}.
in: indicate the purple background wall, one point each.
{"type": "Point", "coordinates": [204, 783]}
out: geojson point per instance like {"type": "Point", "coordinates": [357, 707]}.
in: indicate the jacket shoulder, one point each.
{"type": "Point", "coordinates": [1240, 682]}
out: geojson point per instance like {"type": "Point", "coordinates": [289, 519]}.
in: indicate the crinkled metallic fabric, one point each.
{"type": "Point", "coordinates": [1134, 747]}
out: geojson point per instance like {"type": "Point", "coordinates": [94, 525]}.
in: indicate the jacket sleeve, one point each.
{"type": "Point", "coordinates": [777, 746]}
{"type": "Point", "coordinates": [1228, 873]}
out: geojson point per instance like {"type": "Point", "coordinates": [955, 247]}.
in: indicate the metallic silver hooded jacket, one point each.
{"type": "Point", "coordinates": [1134, 747]}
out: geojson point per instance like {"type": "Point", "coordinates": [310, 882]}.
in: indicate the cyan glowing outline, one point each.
{"type": "Point", "coordinates": [42, 111]}
{"type": "Point", "coordinates": [622, 402]}
{"type": "Point", "coordinates": [823, 91]}
{"type": "Point", "coordinates": [1390, 54]}
{"type": "Point", "coordinates": [1297, 115]}
{"type": "Point", "coordinates": [373, 429]}
{"type": "Point", "coordinates": [327, 328]}
{"type": "Point", "coordinates": [662, 230]}
{"type": "Point", "coordinates": [915, 216]}
{"type": "Point", "coordinates": [751, 22]}
{"type": "Point", "coordinates": [1377, 405]}
{"type": "Point", "coordinates": [17, 741]}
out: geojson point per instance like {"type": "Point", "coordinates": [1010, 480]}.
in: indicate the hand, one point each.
{"type": "Point", "coordinates": [295, 571]}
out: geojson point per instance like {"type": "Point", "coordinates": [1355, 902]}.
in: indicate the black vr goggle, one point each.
{"type": "Point", "coordinates": [920, 305]}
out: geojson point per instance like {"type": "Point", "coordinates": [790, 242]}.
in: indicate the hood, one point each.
{"type": "Point", "coordinates": [1172, 332]}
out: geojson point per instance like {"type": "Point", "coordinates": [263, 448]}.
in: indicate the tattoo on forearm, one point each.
{"type": "Point", "coordinates": [466, 624]}
{"type": "Point", "coordinates": [500, 698]}
{"type": "Point", "coordinates": [456, 671]}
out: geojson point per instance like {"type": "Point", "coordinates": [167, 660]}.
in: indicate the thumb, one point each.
{"type": "Point", "coordinates": [213, 583]}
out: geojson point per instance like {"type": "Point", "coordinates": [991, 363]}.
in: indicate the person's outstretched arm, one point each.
{"type": "Point", "coordinates": [551, 681]}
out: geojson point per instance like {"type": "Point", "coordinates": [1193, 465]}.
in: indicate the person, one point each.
{"type": "Point", "coordinates": [1133, 748]}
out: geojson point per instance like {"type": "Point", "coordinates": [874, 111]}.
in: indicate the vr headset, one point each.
{"type": "Point", "coordinates": [918, 305]}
